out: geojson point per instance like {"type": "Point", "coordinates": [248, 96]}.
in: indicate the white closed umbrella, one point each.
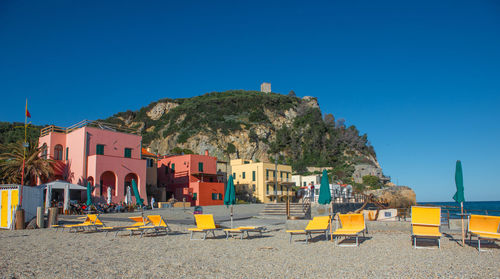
{"type": "Point", "coordinates": [48, 198]}
{"type": "Point", "coordinates": [109, 195]}
{"type": "Point", "coordinates": [66, 197]}
{"type": "Point", "coordinates": [129, 196]}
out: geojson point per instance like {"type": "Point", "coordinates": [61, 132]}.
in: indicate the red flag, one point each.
{"type": "Point", "coordinates": [28, 113]}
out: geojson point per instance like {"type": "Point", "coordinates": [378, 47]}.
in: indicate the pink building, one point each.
{"type": "Point", "coordinates": [191, 177]}
{"type": "Point", "coordinates": [103, 154]}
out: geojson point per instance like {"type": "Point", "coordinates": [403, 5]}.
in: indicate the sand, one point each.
{"type": "Point", "coordinates": [44, 253]}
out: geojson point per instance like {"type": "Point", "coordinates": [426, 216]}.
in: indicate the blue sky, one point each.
{"type": "Point", "coordinates": [422, 79]}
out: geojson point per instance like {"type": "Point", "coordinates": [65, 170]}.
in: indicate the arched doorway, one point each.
{"type": "Point", "coordinates": [108, 180]}
{"type": "Point", "coordinates": [128, 182]}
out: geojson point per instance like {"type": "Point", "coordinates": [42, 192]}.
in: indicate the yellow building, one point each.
{"type": "Point", "coordinates": [259, 179]}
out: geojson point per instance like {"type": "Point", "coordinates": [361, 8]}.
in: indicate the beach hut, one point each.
{"type": "Point", "coordinates": [9, 200]}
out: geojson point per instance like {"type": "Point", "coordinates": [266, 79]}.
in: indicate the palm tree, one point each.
{"type": "Point", "coordinates": [11, 164]}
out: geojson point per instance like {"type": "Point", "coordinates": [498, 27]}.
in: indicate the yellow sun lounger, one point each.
{"type": "Point", "coordinates": [484, 227]}
{"type": "Point", "coordinates": [91, 222]}
{"type": "Point", "coordinates": [204, 223]}
{"type": "Point", "coordinates": [156, 224]}
{"type": "Point", "coordinates": [351, 226]}
{"type": "Point", "coordinates": [319, 224]}
{"type": "Point", "coordinates": [425, 223]}
{"type": "Point", "coordinates": [139, 222]}
{"type": "Point", "coordinates": [243, 230]}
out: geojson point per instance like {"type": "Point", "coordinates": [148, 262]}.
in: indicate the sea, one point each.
{"type": "Point", "coordinates": [471, 207]}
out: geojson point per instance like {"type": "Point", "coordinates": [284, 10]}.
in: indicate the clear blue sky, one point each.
{"type": "Point", "coordinates": [421, 78]}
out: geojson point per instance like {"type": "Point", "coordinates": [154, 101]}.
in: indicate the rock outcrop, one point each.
{"type": "Point", "coordinates": [396, 197]}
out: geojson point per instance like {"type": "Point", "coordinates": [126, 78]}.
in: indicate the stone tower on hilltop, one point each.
{"type": "Point", "coordinates": [265, 87]}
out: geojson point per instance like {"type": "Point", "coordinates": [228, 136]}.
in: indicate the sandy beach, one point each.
{"type": "Point", "coordinates": [45, 253]}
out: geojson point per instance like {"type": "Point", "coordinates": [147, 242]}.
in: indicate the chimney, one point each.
{"type": "Point", "coordinates": [206, 152]}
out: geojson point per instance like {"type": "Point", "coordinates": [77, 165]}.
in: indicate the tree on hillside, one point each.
{"type": "Point", "coordinates": [372, 181]}
{"type": "Point", "coordinates": [292, 93]}
{"type": "Point", "coordinates": [11, 163]}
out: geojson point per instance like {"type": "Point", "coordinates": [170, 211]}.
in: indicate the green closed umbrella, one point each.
{"type": "Point", "coordinates": [89, 197]}
{"type": "Point", "coordinates": [138, 199]}
{"type": "Point", "coordinates": [459, 195]}
{"type": "Point", "coordinates": [230, 196]}
{"type": "Point", "coordinates": [325, 196]}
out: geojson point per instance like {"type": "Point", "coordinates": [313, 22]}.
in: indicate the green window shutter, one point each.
{"type": "Point", "coordinates": [195, 196]}
{"type": "Point", "coordinates": [67, 152]}
{"type": "Point", "coordinates": [234, 175]}
{"type": "Point", "coordinates": [173, 167]}
{"type": "Point", "coordinates": [200, 167]}
{"type": "Point", "coordinates": [99, 149]}
{"type": "Point", "coordinates": [253, 176]}
{"type": "Point", "coordinates": [214, 196]}
{"type": "Point", "coordinates": [220, 196]}
{"type": "Point", "coordinates": [243, 175]}
{"type": "Point", "coordinates": [128, 152]}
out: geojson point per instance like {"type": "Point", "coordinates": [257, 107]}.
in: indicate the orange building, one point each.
{"type": "Point", "coordinates": [191, 177]}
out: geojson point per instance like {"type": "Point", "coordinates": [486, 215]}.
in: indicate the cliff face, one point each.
{"type": "Point", "coordinates": [251, 125]}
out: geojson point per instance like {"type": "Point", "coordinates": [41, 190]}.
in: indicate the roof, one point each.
{"type": "Point", "coordinates": [145, 152]}
{"type": "Point", "coordinates": [59, 184]}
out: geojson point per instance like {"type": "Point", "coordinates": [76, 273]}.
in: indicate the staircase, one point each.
{"type": "Point", "coordinates": [276, 209]}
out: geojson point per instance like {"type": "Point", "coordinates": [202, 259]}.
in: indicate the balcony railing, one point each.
{"type": "Point", "coordinates": [87, 123]}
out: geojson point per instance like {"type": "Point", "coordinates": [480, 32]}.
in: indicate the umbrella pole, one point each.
{"type": "Point", "coordinates": [231, 216]}
{"type": "Point", "coordinates": [462, 217]}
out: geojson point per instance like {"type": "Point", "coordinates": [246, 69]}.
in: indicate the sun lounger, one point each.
{"type": "Point", "coordinates": [204, 223]}
{"type": "Point", "coordinates": [319, 224]}
{"type": "Point", "coordinates": [351, 226]}
{"type": "Point", "coordinates": [91, 222]}
{"type": "Point", "coordinates": [243, 230]}
{"type": "Point", "coordinates": [484, 228]}
{"type": "Point", "coordinates": [156, 224]}
{"type": "Point", "coordinates": [139, 222]}
{"type": "Point", "coordinates": [425, 223]}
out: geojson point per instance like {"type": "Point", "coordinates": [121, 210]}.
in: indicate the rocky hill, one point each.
{"type": "Point", "coordinates": [251, 125]}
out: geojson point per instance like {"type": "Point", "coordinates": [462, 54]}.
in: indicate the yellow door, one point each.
{"type": "Point", "coordinates": [4, 208]}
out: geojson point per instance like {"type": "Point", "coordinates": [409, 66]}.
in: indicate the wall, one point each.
{"type": "Point", "coordinates": [205, 191]}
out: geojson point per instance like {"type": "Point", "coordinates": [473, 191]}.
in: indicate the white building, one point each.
{"type": "Point", "coordinates": [306, 180]}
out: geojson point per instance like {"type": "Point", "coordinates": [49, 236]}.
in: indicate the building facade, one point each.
{"type": "Point", "coordinates": [192, 178]}
{"type": "Point", "coordinates": [265, 87]}
{"type": "Point", "coordinates": [259, 179]}
{"type": "Point", "coordinates": [305, 180]}
{"type": "Point", "coordinates": [100, 153]}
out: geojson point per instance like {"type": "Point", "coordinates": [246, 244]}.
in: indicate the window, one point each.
{"type": "Point", "coordinates": [58, 152]}
{"type": "Point", "coordinates": [243, 175]}
{"type": "Point", "coordinates": [220, 196]}
{"type": "Point", "coordinates": [253, 176]}
{"type": "Point", "coordinates": [253, 187]}
{"type": "Point", "coordinates": [195, 196]}
{"type": "Point", "coordinates": [246, 162]}
{"type": "Point", "coordinates": [149, 163]}
{"type": "Point", "coordinates": [281, 174]}
{"type": "Point", "coordinates": [128, 152]}
{"type": "Point", "coordinates": [200, 167]}
{"type": "Point", "coordinates": [44, 151]}
{"type": "Point", "coordinates": [274, 174]}
{"type": "Point", "coordinates": [172, 167]}
{"type": "Point", "coordinates": [234, 175]}
{"type": "Point", "coordinates": [67, 152]}
{"type": "Point", "coordinates": [305, 183]}
{"type": "Point", "coordinates": [267, 189]}
{"type": "Point", "coordinates": [215, 196]}
{"type": "Point", "coordinates": [267, 174]}
{"type": "Point", "coordinates": [99, 149]}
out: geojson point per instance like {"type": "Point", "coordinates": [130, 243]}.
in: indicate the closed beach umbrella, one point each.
{"type": "Point", "coordinates": [459, 195]}
{"type": "Point", "coordinates": [230, 196]}
{"type": "Point", "coordinates": [89, 197]}
{"type": "Point", "coordinates": [66, 198]}
{"type": "Point", "coordinates": [48, 198]}
{"type": "Point", "coordinates": [138, 199]}
{"type": "Point", "coordinates": [325, 196]}
{"type": "Point", "coordinates": [128, 196]}
{"type": "Point", "coordinates": [109, 195]}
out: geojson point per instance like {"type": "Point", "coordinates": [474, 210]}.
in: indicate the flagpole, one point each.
{"type": "Point", "coordinates": [24, 153]}
{"type": "Point", "coordinates": [462, 217]}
